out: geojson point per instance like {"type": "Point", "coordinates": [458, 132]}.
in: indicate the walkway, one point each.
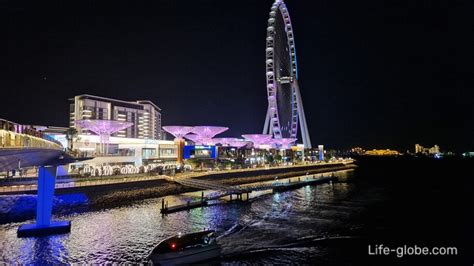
{"type": "Point", "coordinates": [73, 184]}
{"type": "Point", "coordinates": [292, 167]}
{"type": "Point", "coordinates": [186, 179]}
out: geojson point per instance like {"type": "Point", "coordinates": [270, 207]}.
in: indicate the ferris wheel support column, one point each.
{"type": "Point", "coordinates": [267, 129]}
{"type": "Point", "coordinates": [267, 123]}
{"type": "Point", "coordinates": [302, 117]}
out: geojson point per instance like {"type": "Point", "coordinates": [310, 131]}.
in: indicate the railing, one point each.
{"type": "Point", "coordinates": [10, 139]}
{"type": "Point", "coordinates": [24, 188]}
{"type": "Point", "coordinates": [202, 184]}
{"type": "Point", "coordinates": [205, 173]}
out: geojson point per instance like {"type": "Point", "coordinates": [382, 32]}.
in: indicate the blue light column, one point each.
{"type": "Point", "coordinates": [321, 152]}
{"type": "Point", "coordinates": [44, 207]}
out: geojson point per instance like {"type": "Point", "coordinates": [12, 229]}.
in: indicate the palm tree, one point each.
{"type": "Point", "coordinates": [71, 133]}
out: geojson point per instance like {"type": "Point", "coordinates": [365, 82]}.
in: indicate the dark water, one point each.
{"type": "Point", "coordinates": [382, 202]}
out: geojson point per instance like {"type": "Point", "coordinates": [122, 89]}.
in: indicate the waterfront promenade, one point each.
{"type": "Point", "coordinates": [30, 187]}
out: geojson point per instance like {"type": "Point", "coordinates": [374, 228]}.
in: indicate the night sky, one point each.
{"type": "Point", "coordinates": [376, 74]}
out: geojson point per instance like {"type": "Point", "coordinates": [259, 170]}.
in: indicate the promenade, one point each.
{"type": "Point", "coordinates": [30, 187]}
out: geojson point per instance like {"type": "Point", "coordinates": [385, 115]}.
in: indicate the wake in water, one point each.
{"type": "Point", "coordinates": [311, 245]}
{"type": "Point", "coordinates": [258, 235]}
{"type": "Point", "coordinates": [234, 229]}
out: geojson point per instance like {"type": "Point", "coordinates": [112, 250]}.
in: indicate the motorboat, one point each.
{"type": "Point", "coordinates": [186, 248]}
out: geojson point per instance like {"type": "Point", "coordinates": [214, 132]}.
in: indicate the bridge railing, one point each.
{"type": "Point", "coordinates": [76, 184]}
{"type": "Point", "coordinates": [10, 139]}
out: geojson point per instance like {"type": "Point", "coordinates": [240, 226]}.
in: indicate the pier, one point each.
{"type": "Point", "coordinates": [222, 190]}
{"type": "Point", "coordinates": [182, 207]}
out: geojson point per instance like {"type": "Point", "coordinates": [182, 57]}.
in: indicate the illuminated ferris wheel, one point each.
{"type": "Point", "coordinates": [285, 106]}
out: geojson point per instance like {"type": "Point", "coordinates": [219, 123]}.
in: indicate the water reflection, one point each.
{"type": "Point", "coordinates": [127, 234]}
{"type": "Point", "coordinates": [308, 193]}
{"type": "Point", "coordinates": [46, 250]}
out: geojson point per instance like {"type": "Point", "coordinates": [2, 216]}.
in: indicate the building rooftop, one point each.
{"type": "Point", "coordinates": [137, 103]}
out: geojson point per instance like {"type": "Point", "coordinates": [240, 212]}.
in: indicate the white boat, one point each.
{"type": "Point", "coordinates": [185, 249]}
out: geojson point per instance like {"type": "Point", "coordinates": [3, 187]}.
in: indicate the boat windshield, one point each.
{"type": "Point", "coordinates": [192, 240]}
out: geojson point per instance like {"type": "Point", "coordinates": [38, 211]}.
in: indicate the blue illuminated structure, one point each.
{"type": "Point", "coordinates": [200, 151]}
{"type": "Point", "coordinates": [321, 152]}
{"type": "Point", "coordinates": [44, 207]}
{"type": "Point", "coordinates": [32, 148]}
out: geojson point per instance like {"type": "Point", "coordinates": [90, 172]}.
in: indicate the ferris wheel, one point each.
{"type": "Point", "coordinates": [285, 106]}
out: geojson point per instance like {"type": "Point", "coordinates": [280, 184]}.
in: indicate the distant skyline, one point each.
{"type": "Point", "coordinates": [377, 74]}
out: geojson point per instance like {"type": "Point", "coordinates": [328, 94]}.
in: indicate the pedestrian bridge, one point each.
{"type": "Point", "coordinates": [25, 149]}
{"type": "Point", "coordinates": [22, 146]}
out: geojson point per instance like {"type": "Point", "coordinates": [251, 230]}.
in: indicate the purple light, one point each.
{"type": "Point", "coordinates": [238, 143]}
{"type": "Point", "coordinates": [223, 141]}
{"type": "Point", "coordinates": [284, 143]}
{"type": "Point", "coordinates": [258, 139]}
{"type": "Point", "coordinates": [194, 138]}
{"type": "Point", "coordinates": [103, 127]}
{"type": "Point", "coordinates": [208, 132]}
{"type": "Point", "coordinates": [178, 131]}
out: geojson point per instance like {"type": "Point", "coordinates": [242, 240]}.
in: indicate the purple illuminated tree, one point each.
{"type": "Point", "coordinates": [194, 138]}
{"type": "Point", "coordinates": [283, 143]}
{"type": "Point", "coordinates": [239, 143]}
{"type": "Point", "coordinates": [103, 128]}
{"type": "Point", "coordinates": [178, 131]}
{"type": "Point", "coordinates": [258, 139]}
{"type": "Point", "coordinates": [223, 141]}
{"type": "Point", "coordinates": [206, 133]}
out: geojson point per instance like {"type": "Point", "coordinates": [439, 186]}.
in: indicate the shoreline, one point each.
{"type": "Point", "coordinates": [22, 207]}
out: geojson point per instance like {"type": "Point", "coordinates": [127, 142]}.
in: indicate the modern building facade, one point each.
{"type": "Point", "coordinates": [144, 115]}
{"type": "Point", "coordinates": [120, 151]}
{"type": "Point", "coordinates": [127, 150]}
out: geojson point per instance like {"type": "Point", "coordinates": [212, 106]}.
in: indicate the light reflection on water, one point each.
{"type": "Point", "coordinates": [126, 234]}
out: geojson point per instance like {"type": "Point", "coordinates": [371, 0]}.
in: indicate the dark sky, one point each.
{"type": "Point", "coordinates": [376, 74]}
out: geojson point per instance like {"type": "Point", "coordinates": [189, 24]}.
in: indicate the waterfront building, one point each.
{"type": "Point", "coordinates": [120, 151]}
{"type": "Point", "coordinates": [142, 150]}
{"type": "Point", "coordinates": [200, 152]}
{"type": "Point", "coordinates": [418, 148]}
{"type": "Point", "coordinates": [386, 152]}
{"type": "Point", "coordinates": [144, 115]}
{"type": "Point", "coordinates": [123, 151]}
{"type": "Point", "coordinates": [357, 150]}
{"type": "Point", "coordinates": [427, 151]}
{"type": "Point", "coordinates": [434, 150]}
